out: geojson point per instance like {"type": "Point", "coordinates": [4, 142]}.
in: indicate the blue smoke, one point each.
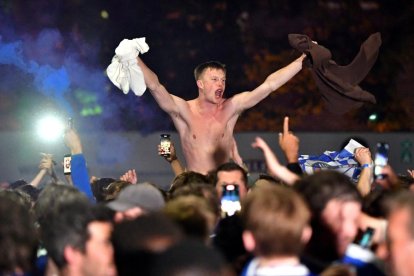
{"type": "Point", "coordinates": [50, 81]}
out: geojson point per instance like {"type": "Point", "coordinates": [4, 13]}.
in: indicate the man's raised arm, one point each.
{"type": "Point", "coordinates": [168, 102]}
{"type": "Point", "coordinates": [275, 80]}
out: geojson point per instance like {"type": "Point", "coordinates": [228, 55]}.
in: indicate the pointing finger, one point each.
{"type": "Point", "coordinates": [286, 125]}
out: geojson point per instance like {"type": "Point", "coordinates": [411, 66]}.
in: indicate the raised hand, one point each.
{"type": "Point", "coordinates": [289, 143]}
{"type": "Point", "coordinates": [130, 176]}
{"type": "Point", "coordinates": [273, 165]}
{"type": "Point", "coordinates": [363, 155]}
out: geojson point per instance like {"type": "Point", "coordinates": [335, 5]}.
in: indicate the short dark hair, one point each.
{"type": "Point", "coordinates": [319, 188]}
{"type": "Point", "coordinates": [68, 226]}
{"type": "Point", "coordinates": [18, 240]}
{"type": "Point", "coordinates": [187, 178]}
{"type": "Point", "coordinates": [209, 64]}
{"type": "Point", "coordinates": [229, 167]}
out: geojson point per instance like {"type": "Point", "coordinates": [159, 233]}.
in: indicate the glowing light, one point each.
{"type": "Point", "coordinates": [50, 128]}
{"type": "Point", "coordinates": [373, 117]}
{"type": "Point", "coordinates": [104, 14]}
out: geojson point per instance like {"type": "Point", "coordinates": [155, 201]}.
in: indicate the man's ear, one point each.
{"type": "Point", "coordinates": [200, 84]}
{"type": "Point", "coordinates": [306, 234]}
{"type": "Point", "coordinates": [248, 241]}
{"type": "Point", "coordinates": [72, 255]}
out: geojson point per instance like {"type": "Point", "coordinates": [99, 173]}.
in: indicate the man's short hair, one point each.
{"type": "Point", "coordinates": [193, 214]}
{"type": "Point", "coordinates": [276, 216]}
{"type": "Point", "coordinates": [321, 187]}
{"type": "Point", "coordinates": [68, 226]}
{"type": "Point", "coordinates": [18, 236]}
{"type": "Point", "coordinates": [198, 71]}
{"type": "Point", "coordinates": [229, 167]}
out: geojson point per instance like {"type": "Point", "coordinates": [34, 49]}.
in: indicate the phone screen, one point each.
{"type": "Point", "coordinates": [230, 200]}
{"type": "Point", "coordinates": [366, 239]}
{"type": "Point", "coordinates": [381, 159]}
{"type": "Point", "coordinates": [165, 143]}
{"type": "Point", "coordinates": [66, 164]}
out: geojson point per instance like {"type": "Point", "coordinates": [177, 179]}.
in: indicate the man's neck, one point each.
{"type": "Point", "coordinates": [278, 261]}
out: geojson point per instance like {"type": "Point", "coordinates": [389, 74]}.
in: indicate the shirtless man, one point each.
{"type": "Point", "coordinates": [206, 123]}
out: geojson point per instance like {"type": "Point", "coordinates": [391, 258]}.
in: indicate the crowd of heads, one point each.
{"type": "Point", "coordinates": [131, 228]}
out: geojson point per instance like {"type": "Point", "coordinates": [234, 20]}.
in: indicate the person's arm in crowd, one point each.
{"type": "Point", "coordinates": [363, 157]}
{"type": "Point", "coordinates": [289, 143]}
{"type": "Point", "coordinates": [172, 159]}
{"type": "Point", "coordinates": [45, 166]}
{"type": "Point", "coordinates": [130, 176]}
{"type": "Point", "coordinates": [79, 172]}
{"type": "Point", "coordinates": [274, 167]}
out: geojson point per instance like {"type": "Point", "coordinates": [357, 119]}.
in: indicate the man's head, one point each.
{"type": "Point", "coordinates": [335, 204]}
{"type": "Point", "coordinates": [276, 221]}
{"type": "Point", "coordinates": [18, 237]}
{"type": "Point", "coordinates": [400, 234]}
{"type": "Point", "coordinates": [137, 241]}
{"type": "Point", "coordinates": [78, 239]}
{"type": "Point", "coordinates": [200, 69]}
{"type": "Point", "coordinates": [211, 81]}
{"type": "Point", "coordinates": [194, 215]}
{"type": "Point", "coordinates": [135, 200]}
{"type": "Point", "coordinates": [230, 173]}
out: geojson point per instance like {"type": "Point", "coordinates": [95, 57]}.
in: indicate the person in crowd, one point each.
{"type": "Point", "coordinates": [289, 144]}
{"type": "Point", "coordinates": [18, 237]}
{"type": "Point", "coordinates": [190, 257]}
{"type": "Point", "coordinates": [335, 204]}
{"type": "Point", "coordinates": [113, 190]}
{"type": "Point", "coordinates": [200, 189]}
{"type": "Point", "coordinates": [135, 200]}
{"type": "Point", "coordinates": [194, 215]}
{"type": "Point", "coordinates": [136, 241]}
{"type": "Point", "coordinates": [79, 172]}
{"type": "Point", "coordinates": [77, 237]}
{"type": "Point", "coordinates": [98, 186]}
{"type": "Point", "coordinates": [213, 109]}
{"type": "Point", "coordinates": [278, 235]}
{"type": "Point", "coordinates": [188, 178]}
{"type": "Point", "coordinates": [172, 158]}
{"type": "Point", "coordinates": [400, 234]}
{"type": "Point", "coordinates": [230, 173]}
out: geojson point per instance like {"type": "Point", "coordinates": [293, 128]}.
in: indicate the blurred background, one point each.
{"type": "Point", "coordinates": [53, 56]}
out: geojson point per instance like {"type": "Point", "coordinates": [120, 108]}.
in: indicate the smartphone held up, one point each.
{"type": "Point", "coordinates": [230, 200]}
{"type": "Point", "coordinates": [165, 144]}
{"type": "Point", "coordinates": [381, 159]}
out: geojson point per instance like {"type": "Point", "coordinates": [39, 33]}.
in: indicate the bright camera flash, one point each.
{"type": "Point", "coordinates": [50, 128]}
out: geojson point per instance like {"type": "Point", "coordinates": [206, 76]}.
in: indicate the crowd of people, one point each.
{"type": "Point", "coordinates": [290, 223]}
{"type": "Point", "coordinates": [212, 220]}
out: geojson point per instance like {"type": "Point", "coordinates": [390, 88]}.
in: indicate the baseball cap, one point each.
{"type": "Point", "coordinates": [143, 195]}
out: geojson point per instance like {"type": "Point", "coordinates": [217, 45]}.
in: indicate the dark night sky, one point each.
{"type": "Point", "coordinates": [53, 56]}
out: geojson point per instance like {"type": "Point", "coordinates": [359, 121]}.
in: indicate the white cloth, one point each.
{"type": "Point", "coordinates": [124, 71]}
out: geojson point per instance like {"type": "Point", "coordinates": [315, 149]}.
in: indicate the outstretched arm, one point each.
{"type": "Point", "coordinates": [275, 80]}
{"type": "Point", "coordinates": [171, 104]}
